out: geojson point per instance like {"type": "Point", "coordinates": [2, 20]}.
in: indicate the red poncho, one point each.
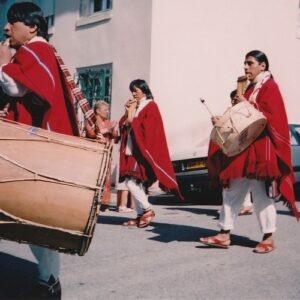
{"type": "Point", "coordinates": [150, 159]}
{"type": "Point", "coordinates": [269, 157]}
{"type": "Point", "coordinates": [50, 103]}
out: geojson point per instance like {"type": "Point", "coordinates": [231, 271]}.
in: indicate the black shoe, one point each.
{"type": "Point", "coordinates": [45, 290]}
{"type": "Point", "coordinates": [104, 207]}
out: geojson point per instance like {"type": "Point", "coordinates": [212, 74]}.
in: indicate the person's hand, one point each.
{"type": "Point", "coordinates": [5, 55]}
{"type": "Point", "coordinates": [131, 104]}
{"type": "Point", "coordinates": [130, 107]}
{"type": "Point", "coordinates": [116, 131]}
{"type": "Point", "coordinates": [237, 99]}
{"type": "Point", "coordinates": [113, 125]}
{"type": "Point", "coordinates": [215, 119]}
{"type": "Point", "coordinates": [104, 130]}
{"type": "Point", "coordinates": [101, 139]}
{"type": "Point", "coordinates": [3, 113]}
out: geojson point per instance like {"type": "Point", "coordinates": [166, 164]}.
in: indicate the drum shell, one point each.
{"type": "Point", "coordinates": [238, 128]}
{"type": "Point", "coordinates": [50, 187]}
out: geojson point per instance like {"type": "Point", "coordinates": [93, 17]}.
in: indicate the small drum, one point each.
{"type": "Point", "coordinates": [238, 128]}
{"type": "Point", "coordinates": [50, 187]}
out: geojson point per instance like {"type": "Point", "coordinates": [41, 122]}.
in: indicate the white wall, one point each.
{"type": "Point", "coordinates": [124, 40]}
{"type": "Point", "coordinates": [198, 50]}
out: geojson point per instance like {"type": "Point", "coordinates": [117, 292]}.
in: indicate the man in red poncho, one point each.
{"type": "Point", "coordinates": [144, 155]}
{"type": "Point", "coordinates": [38, 96]}
{"type": "Point", "coordinates": [267, 159]}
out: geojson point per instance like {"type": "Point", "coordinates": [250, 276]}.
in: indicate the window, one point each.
{"type": "Point", "coordinates": [48, 7]}
{"type": "Point", "coordinates": [92, 11]}
{"type": "Point", "coordinates": [100, 5]}
{"type": "Point", "coordinates": [89, 7]}
{"type": "Point", "coordinates": [95, 83]}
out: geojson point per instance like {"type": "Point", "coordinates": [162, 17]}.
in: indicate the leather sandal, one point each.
{"type": "Point", "coordinates": [263, 248]}
{"type": "Point", "coordinates": [215, 242]}
{"type": "Point", "coordinates": [244, 211]}
{"type": "Point", "coordinates": [132, 222]}
{"type": "Point", "coordinates": [146, 218]}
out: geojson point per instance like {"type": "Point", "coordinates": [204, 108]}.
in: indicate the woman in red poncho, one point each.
{"type": "Point", "coordinates": [267, 159]}
{"type": "Point", "coordinates": [144, 155]}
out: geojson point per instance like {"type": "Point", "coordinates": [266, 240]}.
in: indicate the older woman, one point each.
{"type": "Point", "coordinates": [267, 159]}
{"type": "Point", "coordinates": [104, 132]}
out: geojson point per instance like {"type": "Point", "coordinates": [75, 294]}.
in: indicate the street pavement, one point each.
{"type": "Point", "coordinates": [166, 261]}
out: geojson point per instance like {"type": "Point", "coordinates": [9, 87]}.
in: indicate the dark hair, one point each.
{"type": "Point", "coordinates": [260, 57]}
{"type": "Point", "coordinates": [233, 94]}
{"type": "Point", "coordinates": [31, 15]}
{"type": "Point", "coordinates": [142, 85]}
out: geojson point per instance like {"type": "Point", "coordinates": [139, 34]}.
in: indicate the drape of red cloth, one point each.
{"type": "Point", "coordinates": [35, 67]}
{"type": "Point", "coordinates": [269, 157]}
{"type": "Point", "coordinates": [150, 160]}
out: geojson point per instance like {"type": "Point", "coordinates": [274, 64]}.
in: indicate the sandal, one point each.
{"type": "Point", "coordinates": [263, 248]}
{"type": "Point", "coordinates": [132, 222]}
{"type": "Point", "coordinates": [244, 211]}
{"type": "Point", "coordinates": [215, 242]}
{"type": "Point", "coordinates": [146, 218]}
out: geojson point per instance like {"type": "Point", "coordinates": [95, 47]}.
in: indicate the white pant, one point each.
{"type": "Point", "coordinates": [139, 195]}
{"type": "Point", "coordinates": [247, 202]}
{"type": "Point", "coordinates": [48, 262]}
{"type": "Point", "coordinates": [233, 198]}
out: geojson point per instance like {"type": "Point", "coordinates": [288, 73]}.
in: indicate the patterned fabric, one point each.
{"type": "Point", "coordinates": [89, 114]}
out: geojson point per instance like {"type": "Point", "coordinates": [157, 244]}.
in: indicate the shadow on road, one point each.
{"type": "Point", "coordinates": [16, 276]}
{"type": "Point", "coordinates": [182, 233]}
{"type": "Point", "coordinates": [196, 210]}
{"type": "Point", "coordinates": [166, 232]}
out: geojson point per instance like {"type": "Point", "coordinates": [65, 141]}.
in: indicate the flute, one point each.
{"type": "Point", "coordinates": [241, 85]}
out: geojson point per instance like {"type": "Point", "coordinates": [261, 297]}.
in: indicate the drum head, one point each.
{"type": "Point", "coordinates": [235, 144]}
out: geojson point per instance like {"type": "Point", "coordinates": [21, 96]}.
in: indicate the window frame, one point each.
{"type": "Point", "coordinates": [87, 15]}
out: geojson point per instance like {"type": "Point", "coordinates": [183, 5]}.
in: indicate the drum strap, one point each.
{"type": "Point", "coordinates": [89, 114]}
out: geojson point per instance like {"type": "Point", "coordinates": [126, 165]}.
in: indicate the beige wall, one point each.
{"type": "Point", "coordinates": [198, 50]}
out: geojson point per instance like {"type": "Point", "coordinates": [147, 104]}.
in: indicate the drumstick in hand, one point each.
{"type": "Point", "coordinates": [203, 102]}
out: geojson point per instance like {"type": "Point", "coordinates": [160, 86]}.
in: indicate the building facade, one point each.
{"type": "Point", "coordinates": [184, 49]}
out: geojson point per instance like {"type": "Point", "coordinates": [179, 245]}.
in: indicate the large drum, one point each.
{"type": "Point", "coordinates": [238, 128]}
{"type": "Point", "coordinates": [50, 187]}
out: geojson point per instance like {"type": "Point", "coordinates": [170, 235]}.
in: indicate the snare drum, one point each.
{"type": "Point", "coordinates": [238, 128]}
{"type": "Point", "coordinates": [50, 187]}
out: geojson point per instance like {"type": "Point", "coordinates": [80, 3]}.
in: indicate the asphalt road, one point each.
{"type": "Point", "coordinates": [165, 261]}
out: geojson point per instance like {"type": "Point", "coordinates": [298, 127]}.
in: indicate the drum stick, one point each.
{"type": "Point", "coordinates": [203, 102]}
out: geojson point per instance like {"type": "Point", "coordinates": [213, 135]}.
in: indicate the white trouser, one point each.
{"type": "Point", "coordinates": [247, 202]}
{"type": "Point", "coordinates": [139, 195]}
{"type": "Point", "coordinates": [48, 262]}
{"type": "Point", "coordinates": [233, 198]}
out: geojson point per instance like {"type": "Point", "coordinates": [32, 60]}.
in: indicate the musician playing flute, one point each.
{"type": "Point", "coordinates": [40, 98]}
{"type": "Point", "coordinates": [267, 159]}
{"type": "Point", "coordinates": [144, 154]}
